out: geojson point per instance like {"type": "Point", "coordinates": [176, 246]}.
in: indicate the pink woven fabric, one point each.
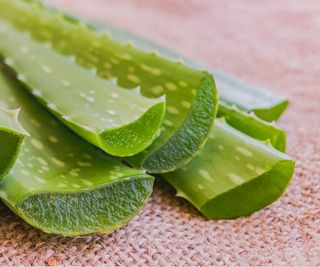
{"type": "Point", "coordinates": [272, 43]}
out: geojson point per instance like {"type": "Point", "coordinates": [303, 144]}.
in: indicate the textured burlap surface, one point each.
{"type": "Point", "coordinates": [272, 43]}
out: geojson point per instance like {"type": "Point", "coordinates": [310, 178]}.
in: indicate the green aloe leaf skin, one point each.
{"type": "Point", "coordinates": [119, 121]}
{"type": "Point", "coordinates": [266, 105]}
{"type": "Point", "coordinates": [191, 97]}
{"type": "Point", "coordinates": [60, 183]}
{"type": "Point", "coordinates": [269, 107]}
{"type": "Point", "coordinates": [246, 98]}
{"type": "Point", "coordinates": [233, 175]}
{"type": "Point", "coordinates": [12, 135]}
{"type": "Point", "coordinates": [253, 126]}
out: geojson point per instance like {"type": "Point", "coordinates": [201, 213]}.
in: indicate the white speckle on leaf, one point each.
{"type": "Point", "coordinates": [35, 122]}
{"type": "Point", "coordinates": [37, 144]}
{"type": "Point", "coordinates": [86, 182]}
{"type": "Point", "coordinates": [152, 70]}
{"type": "Point", "coordinates": [84, 164]}
{"type": "Point", "coordinates": [25, 172]}
{"type": "Point", "coordinates": [36, 92]}
{"type": "Point", "coordinates": [9, 61]}
{"type": "Point", "coordinates": [171, 86]}
{"type": "Point", "coordinates": [250, 167]}
{"type": "Point", "coordinates": [172, 110]}
{"type": "Point", "coordinates": [205, 174]}
{"type": "Point", "coordinates": [183, 84]}
{"type": "Point", "coordinates": [65, 83]}
{"type": "Point", "coordinates": [168, 123]}
{"type": "Point", "coordinates": [90, 99]}
{"type": "Point", "coordinates": [235, 178]}
{"type": "Point", "coordinates": [260, 170]}
{"type": "Point", "coordinates": [40, 180]}
{"type": "Point", "coordinates": [157, 90]}
{"type": "Point", "coordinates": [114, 95]}
{"type": "Point", "coordinates": [58, 162]}
{"type": "Point", "coordinates": [46, 69]}
{"type": "Point", "coordinates": [133, 78]}
{"type": "Point", "coordinates": [52, 106]}
{"type": "Point", "coordinates": [244, 151]}
{"type": "Point", "coordinates": [53, 139]}
{"type": "Point", "coordinates": [110, 111]}
{"type": "Point", "coordinates": [74, 173]}
{"type": "Point", "coordinates": [185, 104]}
{"type": "Point", "coordinates": [24, 49]}
{"type": "Point", "coordinates": [21, 77]}
{"type": "Point", "coordinates": [42, 161]}
{"type": "Point", "coordinates": [87, 156]}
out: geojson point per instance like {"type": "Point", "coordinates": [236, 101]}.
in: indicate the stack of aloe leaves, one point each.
{"type": "Point", "coordinates": [87, 118]}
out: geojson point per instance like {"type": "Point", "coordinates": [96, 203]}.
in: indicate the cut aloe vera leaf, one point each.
{"type": "Point", "coordinates": [265, 104]}
{"type": "Point", "coordinates": [190, 94]}
{"type": "Point", "coordinates": [233, 175]}
{"type": "Point", "coordinates": [60, 183]}
{"type": "Point", "coordinates": [253, 126]}
{"type": "Point", "coordinates": [119, 121]}
{"type": "Point", "coordinates": [12, 135]}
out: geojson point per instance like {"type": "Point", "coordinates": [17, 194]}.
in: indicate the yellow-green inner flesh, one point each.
{"type": "Point", "coordinates": [60, 183]}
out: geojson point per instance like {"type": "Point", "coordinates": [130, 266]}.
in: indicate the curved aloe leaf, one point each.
{"type": "Point", "coordinates": [265, 104]}
{"type": "Point", "coordinates": [121, 122]}
{"type": "Point", "coordinates": [233, 175]}
{"type": "Point", "coordinates": [12, 135]}
{"type": "Point", "coordinates": [251, 125]}
{"type": "Point", "coordinates": [60, 183]}
{"type": "Point", "coordinates": [190, 94]}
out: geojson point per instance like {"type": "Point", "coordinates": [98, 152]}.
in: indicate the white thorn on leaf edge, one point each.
{"type": "Point", "coordinates": [14, 114]}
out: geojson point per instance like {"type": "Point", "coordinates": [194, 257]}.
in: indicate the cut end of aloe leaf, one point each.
{"type": "Point", "coordinates": [273, 113]}
{"type": "Point", "coordinates": [251, 196]}
{"type": "Point", "coordinates": [233, 175]}
{"type": "Point", "coordinates": [192, 134]}
{"type": "Point", "coordinates": [135, 137]}
{"type": "Point", "coordinates": [60, 183]}
{"type": "Point", "coordinates": [12, 135]}
{"type": "Point", "coordinates": [253, 126]}
{"type": "Point", "coordinates": [96, 210]}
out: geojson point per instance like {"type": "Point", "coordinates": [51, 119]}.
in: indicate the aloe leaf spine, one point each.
{"type": "Point", "coordinates": [12, 135]}
{"type": "Point", "coordinates": [60, 183]}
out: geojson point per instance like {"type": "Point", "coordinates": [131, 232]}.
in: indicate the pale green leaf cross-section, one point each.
{"type": "Point", "coordinates": [62, 184]}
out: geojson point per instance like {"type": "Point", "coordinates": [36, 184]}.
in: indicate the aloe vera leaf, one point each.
{"type": "Point", "coordinates": [60, 183]}
{"type": "Point", "coordinates": [12, 135]}
{"type": "Point", "coordinates": [265, 104]}
{"type": "Point", "coordinates": [253, 126]}
{"type": "Point", "coordinates": [233, 175]}
{"type": "Point", "coordinates": [119, 121]}
{"type": "Point", "coordinates": [249, 98]}
{"type": "Point", "coordinates": [190, 94]}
